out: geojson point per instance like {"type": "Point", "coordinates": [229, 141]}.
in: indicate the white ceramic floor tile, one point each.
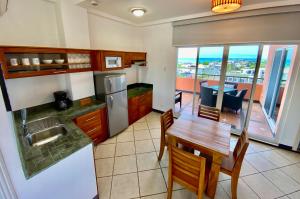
{"type": "Point", "coordinates": [223, 176]}
{"type": "Point", "coordinates": [151, 182]}
{"type": "Point", "coordinates": [220, 193]}
{"type": "Point", "coordinates": [112, 140]}
{"type": "Point", "coordinates": [155, 133]}
{"type": "Point", "coordinates": [125, 164]}
{"type": "Point", "coordinates": [293, 157]}
{"type": "Point", "coordinates": [262, 186]}
{"type": "Point", "coordinates": [285, 183]}
{"type": "Point", "coordinates": [295, 195]}
{"type": "Point", "coordinates": [125, 186]}
{"type": "Point", "coordinates": [293, 171]}
{"type": "Point", "coordinates": [144, 146]}
{"type": "Point", "coordinates": [126, 136]}
{"type": "Point", "coordinates": [243, 190]}
{"type": "Point", "coordinates": [125, 148]}
{"type": "Point", "coordinates": [183, 194]}
{"type": "Point", "coordinates": [284, 197]}
{"type": "Point", "coordinates": [104, 186]}
{"type": "Point", "coordinates": [153, 124]}
{"type": "Point", "coordinates": [259, 162]}
{"type": "Point", "coordinates": [156, 143]}
{"type": "Point", "coordinates": [275, 158]}
{"type": "Point", "coordinates": [176, 186]}
{"type": "Point", "coordinates": [147, 161]}
{"type": "Point", "coordinates": [247, 169]}
{"type": "Point", "coordinates": [105, 151]}
{"type": "Point", "coordinates": [104, 167]}
{"type": "Point", "coordinates": [140, 126]}
{"type": "Point", "coordinates": [259, 147]}
{"type": "Point", "coordinates": [142, 135]}
{"type": "Point", "coordinates": [143, 119]}
{"type": "Point", "coordinates": [157, 196]}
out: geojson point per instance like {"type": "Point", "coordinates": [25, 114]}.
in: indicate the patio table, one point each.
{"type": "Point", "coordinates": [226, 89]}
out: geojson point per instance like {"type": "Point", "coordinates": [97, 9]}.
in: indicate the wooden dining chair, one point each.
{"type": "Point", "coordinates": [209, 112]}
{"type": "Point", "coordinates": [232, 164]}
{"type": "Point", "coordinates": [166, 120]}
{"type": "Point", "coordinates": [186, 169]}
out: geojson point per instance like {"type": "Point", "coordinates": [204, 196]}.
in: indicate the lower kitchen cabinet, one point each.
{"type": "Point", "coordinates": [139, 106]}
{"type": "Point", "coordinates": [94, 124]}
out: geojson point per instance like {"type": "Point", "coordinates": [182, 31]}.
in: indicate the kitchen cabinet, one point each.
{"type": "Point", "coordinates": [94, 124]}
{"type": "Point", "coordinates": [18, 62]}
{"type": "Point", "coordinates": [139, 106]}
{"type": "Point", "coordinates": [105, 60]}
{"type": "Point", "coordinates": [137, 58]}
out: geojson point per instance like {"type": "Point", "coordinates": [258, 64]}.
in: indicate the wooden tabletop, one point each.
{"type": "Point", "coordinates": [211, 135]}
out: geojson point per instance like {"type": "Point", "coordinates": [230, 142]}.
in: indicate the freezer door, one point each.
{"type": "Point", "coordinates": [117, 112]}
{"type": "Point", "coordinates": [115, 83]}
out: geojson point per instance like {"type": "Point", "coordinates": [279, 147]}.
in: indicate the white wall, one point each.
{"type": "Point", "coordinates": [112, 35]}
{"type": "Point", "coordinates": [161, 65]}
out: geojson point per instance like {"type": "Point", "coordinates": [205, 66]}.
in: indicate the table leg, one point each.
{"type": "Point", "coordinates": [213, 176]}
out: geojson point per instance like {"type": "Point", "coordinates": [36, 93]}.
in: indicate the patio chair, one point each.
{"type": "Point", "coordinates": [208, 97]}
{"type": "Point", "coordinates": [178, 97]}
{"type": "Point", "coordinates": [234, 102]}
{"type": "Point", "coordinates": [232, 85]}
{"type": "Point", "coordinates": [232, 165]}
{"type": "Point", "coordinates": [202, 83]}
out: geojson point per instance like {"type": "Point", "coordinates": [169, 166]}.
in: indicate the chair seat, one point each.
{"type": "Point", "coordinates": [228, 164]}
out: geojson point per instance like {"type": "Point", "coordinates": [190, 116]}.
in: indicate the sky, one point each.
{"type": "Point", "coordinates": [217, 52]}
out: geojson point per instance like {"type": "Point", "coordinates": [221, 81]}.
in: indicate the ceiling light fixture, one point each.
{"type": "Point", "coordinates": [138, 12]}
{"type": "Point", "coordinates": [94, 3]}
{"type": "Point", "coordinates": [224, 6]}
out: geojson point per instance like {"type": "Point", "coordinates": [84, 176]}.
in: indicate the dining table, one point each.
{"type": "Point", "coordinates": [226, 89]}
{"type": "Point", "coordinates": [209, 137]}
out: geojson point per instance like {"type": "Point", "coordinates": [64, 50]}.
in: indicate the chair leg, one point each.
{"type": "Point", "coordinates": [162, 148]}
{"type": "Point", "coordinates": [234, 185]}
{"type": "Point", "coordinates": [170, 187]}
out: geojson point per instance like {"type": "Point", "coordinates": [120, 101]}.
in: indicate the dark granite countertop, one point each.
{"type": "Point", "coordinates": [38, 158]}
{"type": "Point", "coordinates": [138, 89]}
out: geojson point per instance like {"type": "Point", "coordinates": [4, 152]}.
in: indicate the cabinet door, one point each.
{"type": "Point", "coordinates": [138, 56]}
{"type": "Point", "coordinates": [127, 60]}
{"type": "Point", "coordinates": [133, 110]}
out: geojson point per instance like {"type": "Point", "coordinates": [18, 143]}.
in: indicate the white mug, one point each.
{"type": "Point", "coordinates": [25, 61]}
{"type": "Point", "coordinates": [35, 61]}
{"type": "Point", "coordinates": [14, 61]}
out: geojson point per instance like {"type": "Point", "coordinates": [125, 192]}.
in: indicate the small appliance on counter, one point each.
{"type": "Point", "coordinates": [112, 88]}
{"type": "Point", "coordinates": [62, 102]}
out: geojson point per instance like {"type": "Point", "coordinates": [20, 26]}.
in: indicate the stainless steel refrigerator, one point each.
{"type": "Point", "coordinates": [113, 89]}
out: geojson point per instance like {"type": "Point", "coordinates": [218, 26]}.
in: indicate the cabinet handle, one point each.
{"type": "Point", "coordinates": [94, 129]}
{"type": "Point", "coordinates": [63, 71]}
{"type": "Point", "coordinates": [91, 118]}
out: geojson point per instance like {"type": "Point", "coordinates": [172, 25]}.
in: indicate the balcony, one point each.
{"type": "Point", "coordinates": [258, 123]}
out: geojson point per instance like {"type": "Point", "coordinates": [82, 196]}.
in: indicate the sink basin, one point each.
{"type": "Point", "coordinates": [44, 130]}
{"type": "Point", "coordinates": [47, 135]}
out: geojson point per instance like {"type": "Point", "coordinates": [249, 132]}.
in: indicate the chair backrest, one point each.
{"type": "Point", "coordinates": [231, 85]}
{"type": "Point", "coordinates": [203, 83]}
{"type": "Point", "coordinates": [209, 113]}
{"type": "Point", "coordinates": [166, 120]}
{"type": "Point", "coordinates": [240, 149]}
{"type": "Point", "coordinates": [207, 96]}
{"type": "Point", "coordinates": [187, 169]}
{"type": "Point", "coordinates": [241, 94]}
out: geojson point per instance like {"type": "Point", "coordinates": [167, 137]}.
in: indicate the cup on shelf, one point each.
{"type": "Point", "coordinates": [35, 61]}
{"type": "Point", "coordinates": [25, 61]}
{"type": "Point", "coordinates": [14, 61]}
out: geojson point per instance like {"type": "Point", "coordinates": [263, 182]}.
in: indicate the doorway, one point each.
{"type": "Point", "coordinates": [242, 80]}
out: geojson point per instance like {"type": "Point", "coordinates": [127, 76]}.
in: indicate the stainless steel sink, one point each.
{"type": "Point", "coordinates": [44, 130]}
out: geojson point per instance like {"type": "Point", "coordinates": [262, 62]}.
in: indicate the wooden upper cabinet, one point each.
{"type": "Point", "coordinates": [108, 60]}
{"type": "Point", "coordinates": [137, 58]}
{"type": "Point", "coordinates": [18, 62]}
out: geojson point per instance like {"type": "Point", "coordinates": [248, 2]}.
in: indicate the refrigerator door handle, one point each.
{"type": "Point", "coordinates": [111, 99]}
{"type": "Point", "coordinates": [110, 85]}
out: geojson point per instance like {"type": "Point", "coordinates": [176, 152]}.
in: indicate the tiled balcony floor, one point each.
{"type": "Point", "coordinates": [127, 167]}
{"type": "Point", "coordinates": [258, 124]}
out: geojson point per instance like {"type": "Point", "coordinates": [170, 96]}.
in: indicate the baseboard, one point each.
{"type": "Point", "coordinates": [282, 146]}
{"type": "Point", "coordinates": [157, 111]}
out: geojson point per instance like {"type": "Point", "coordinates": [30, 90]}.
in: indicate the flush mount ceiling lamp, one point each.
{"type": "Point", "coordinates": [224, 6]}
{"type": "Point", "coordinates": [94, 2]}
{"type": "Point", "coordinates": [138, 12]}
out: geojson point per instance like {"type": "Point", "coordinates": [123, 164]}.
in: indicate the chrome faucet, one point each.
{"type": "Point", "coordinates": [24, 120]}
